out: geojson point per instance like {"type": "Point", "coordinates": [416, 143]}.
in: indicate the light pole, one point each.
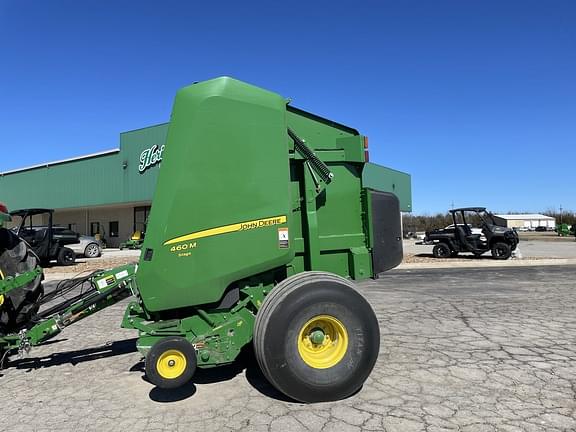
{"type": "Point", "coordinates": [560, 213]}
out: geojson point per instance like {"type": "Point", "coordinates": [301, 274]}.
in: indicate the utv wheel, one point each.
{"type": "Point", "coordinates": [316, 338]}
{"type": "Point", "coordinates": [66, 256]}
{"type": "Point", "coordinates": [92, 251]}
{"type": "Point", "coordinates": [501, 251]}
{"type": "Point", "coordinates": [171, 363]}
{"type": "Point", "coordinates": [441, 250]}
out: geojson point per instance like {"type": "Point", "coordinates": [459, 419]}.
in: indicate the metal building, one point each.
{"type": "Point", "coordinates": [527, 221]}
{"type": "Point", "coordinates": [110, 193]}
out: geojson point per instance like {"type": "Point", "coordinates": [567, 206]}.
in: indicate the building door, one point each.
{"type": "Point", "coordinates": [141, 218]}
{"type": "Point", "coordinates": [94, 228]}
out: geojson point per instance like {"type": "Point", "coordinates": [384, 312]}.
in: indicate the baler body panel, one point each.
{"type": "Point", "coordinates": [222, 194]}
{"type": "Point", "coordinates": [236, 198]}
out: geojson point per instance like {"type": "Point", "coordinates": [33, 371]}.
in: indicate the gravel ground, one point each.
{"type": "Point", "coordinates": [461, 350]}
{"type": "Point", "coordinates": [110, 258]}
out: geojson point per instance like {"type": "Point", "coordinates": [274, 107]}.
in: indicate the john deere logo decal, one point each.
{"type": "Point", "coordinates": [150, 157]}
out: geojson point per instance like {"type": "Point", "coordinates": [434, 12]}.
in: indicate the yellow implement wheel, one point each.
{"type": "Point", "coordinates": [171, 364]}
{"type": "Point", "coordinates": [322, 342]}
{"type": "Point", "coordinates": [316, 338]}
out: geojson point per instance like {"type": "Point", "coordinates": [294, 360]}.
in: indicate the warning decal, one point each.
{"type": "Point", "coordinates": [283, 238]}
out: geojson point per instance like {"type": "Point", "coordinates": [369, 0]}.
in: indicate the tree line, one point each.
{"type": "Point", "coordinates": [416, 223]}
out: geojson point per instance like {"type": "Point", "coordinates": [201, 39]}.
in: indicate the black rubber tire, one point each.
{"type": "Point", "coordinates": [290, 305]}
{"type": "Point", "coordinates": [167, 344]}
{"type": "Point", "coordinates": [20, 304]}
{"type": "Point", "coordinates": [453, 254]}
{"type": "Point", "coordinates": [66, 256]}
{"type": "Point", "coordinates": [92, 250]}
{"type": "Point", "coordinates": [441, 250]}
{"type": "Point", "coordinates": [501, 251]}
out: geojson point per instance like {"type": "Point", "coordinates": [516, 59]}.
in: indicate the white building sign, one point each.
{"type": "Point", "coordinates": [150, 157]}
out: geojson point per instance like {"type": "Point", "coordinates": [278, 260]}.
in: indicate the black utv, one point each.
{"type": "Point", "coordinates": [474, 230]}
{"type": "Point", "coordinates": [36, 229]}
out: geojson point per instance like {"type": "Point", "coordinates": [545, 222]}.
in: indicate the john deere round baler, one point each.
{"type": "Point", "coordinates": [259, 224]}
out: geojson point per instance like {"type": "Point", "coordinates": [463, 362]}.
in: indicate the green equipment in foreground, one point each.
{"type": "Point", "coordinates": [259, 221]}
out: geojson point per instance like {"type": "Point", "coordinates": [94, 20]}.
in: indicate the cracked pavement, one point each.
{"type": "Point", "coordinates": [461, 349]}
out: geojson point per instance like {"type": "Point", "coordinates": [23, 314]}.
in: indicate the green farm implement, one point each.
{"type": "Point", "coordinates": [135, 241]}
{"type": "Point", "coordinates": [563, 230]}
{"type": "Point", "coordinates": [259, 224]}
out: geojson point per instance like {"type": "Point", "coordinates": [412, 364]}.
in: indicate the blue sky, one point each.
{"type": "Point", "coordinates": [475, 99]}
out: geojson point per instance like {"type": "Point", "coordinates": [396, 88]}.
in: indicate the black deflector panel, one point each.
{"type": "Point", "coordinates": [387, 231]}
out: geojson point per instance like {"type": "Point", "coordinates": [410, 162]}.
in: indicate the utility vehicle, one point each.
{"type": "Point", "coordinates": [47, 241]}
{"type": "Point", "coordinates": [449, 242]}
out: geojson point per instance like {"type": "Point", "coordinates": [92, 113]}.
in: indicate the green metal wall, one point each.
{"type": "Point", "coordinates": [114, 178]}
{"type": "Point", "coordinates": [107, 179]}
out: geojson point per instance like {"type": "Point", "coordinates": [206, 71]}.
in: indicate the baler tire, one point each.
{"type": "Point", "coordinates": [309, 371]}
{"type": "Point", "coordinates": [66, 256]}
{"type": "Point", "coordinates": [172, 349]}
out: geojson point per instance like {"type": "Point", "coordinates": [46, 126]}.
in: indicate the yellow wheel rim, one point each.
{"type": "Point", "coordinates": [171, 364]}
{"type": "Point", "coordinates": [322, 342]}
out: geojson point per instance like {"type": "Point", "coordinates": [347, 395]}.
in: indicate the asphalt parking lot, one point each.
{"type": "Point", "coordinates": [462, 349]}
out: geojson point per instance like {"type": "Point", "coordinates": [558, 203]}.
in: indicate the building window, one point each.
{"type": "Point", "coordinates": [113, 228]}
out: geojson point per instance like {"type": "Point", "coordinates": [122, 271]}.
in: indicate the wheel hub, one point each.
{"type": "Point", "coordinates": [322, 342]}
{"type": "Point", "coordinates": [171, 364]}
{"type": "Point", "coordinates": [317, 337]}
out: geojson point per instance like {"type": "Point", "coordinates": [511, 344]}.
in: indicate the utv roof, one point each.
{"type": "Point", "coordinates": [476, 209]}
{"type": "Point", "coordinates": [31, 211]}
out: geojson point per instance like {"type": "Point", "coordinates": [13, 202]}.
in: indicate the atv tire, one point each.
{"type": "Point", "coordinates": [66, 257]}
{"type": "Point", "coordinates": [20, 304]}
{"type": "Point", "coordinates": [501, 251]}
{"type": "Point", "coordinates": [441, 250]}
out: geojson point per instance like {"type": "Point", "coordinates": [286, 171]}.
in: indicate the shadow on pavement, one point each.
{"type": "Point", "coordinates": [75, 357]}
{"type": "Point", "coordinates": [460, 256]}
{"type": "Point", "coordinates": [172, 395]}
{"type": "Point", "coordinates": [246, 362]}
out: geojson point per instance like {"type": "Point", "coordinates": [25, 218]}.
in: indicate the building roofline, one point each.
{"type": "Point", "coordinates": [144, 127]}
{"type": "Point", "coordinates": [62, 161]}
{"type": "Point", "coordinates": [524, 216]}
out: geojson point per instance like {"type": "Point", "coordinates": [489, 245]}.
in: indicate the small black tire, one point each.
{"type": "Point", "coordinates": [441, 250]}
{"type": "Point", "coordinates": [171, 363]}
{"type": "Point", "coordinates": [66, 257]}
{"type": "Point", "coordinates": [501, 251]}
{"type": "Point", "coordinates": [312, 370]}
